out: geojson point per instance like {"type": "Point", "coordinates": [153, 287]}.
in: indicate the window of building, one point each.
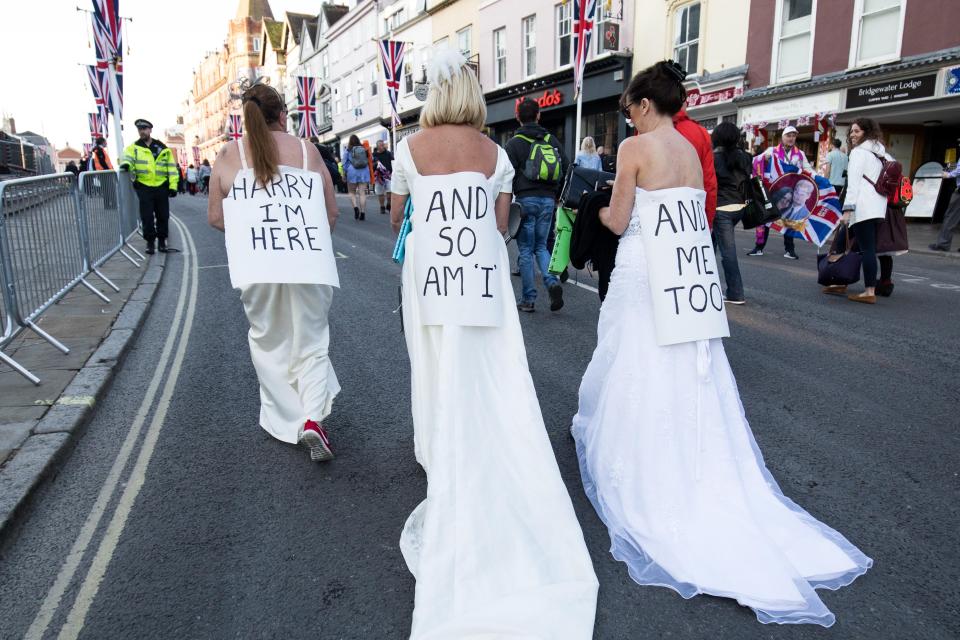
{"type": "Point", "coordinates": [878, 31]}
{"type": "Point", "coordinates": [564, 41]}
{"type": "Point", "coordinates": [529, 46]}
{"type": "Point", "coordinates": [686, 41]}
{"type": "Point", "coordinates": [336, 98]}
{"type": "Point", "coordinates": [325, 114]}
{"type": "Point", "coordinates": [792, 40]}
{"type": "Point", "coordinates": [604, 16]}
{"type": "Point", "coordinates": [397, 19]}
{"type": "Point", "coordinates": [324, 66]}
{"type": "Point", "coordinates": [360, 88]}
{"type": "Point", "coordinates": [500, 56]}
{"type": "Point", "coordinates": [407, 78]}
{"type": "Point", "coordinates": [442, 43]}
{"type": "Point", "coordinates": [374, 81]}
{"type": "Point", "coordinates": [256, 45]}
{"type": "Point", "coordinates": [463, 41]}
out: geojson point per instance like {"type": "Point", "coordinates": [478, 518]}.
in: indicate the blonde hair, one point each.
{"type": "Point", "coordinates": [457, 100]}
{"type": "Point", "coordinates": [588, 145]}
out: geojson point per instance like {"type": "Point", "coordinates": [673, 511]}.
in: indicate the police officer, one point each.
{"type": "Point", "coordinates": [155, 181]}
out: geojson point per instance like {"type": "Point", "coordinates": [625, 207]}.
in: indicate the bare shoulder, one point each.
{"type": "Point", "coordinates": [227, 157]}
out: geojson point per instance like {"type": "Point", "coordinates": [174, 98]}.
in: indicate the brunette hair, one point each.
{"type": "Point", "coordinates": [661, 84]}
{"type": "Point", "coordinates": [262, 107]}
{"type": "Point", "coordinates": [870, 128]}
{"type": "Point", "coordinates": [353, 142]}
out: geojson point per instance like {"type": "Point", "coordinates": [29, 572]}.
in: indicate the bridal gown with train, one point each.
{"type": "Point", "coordinates": [672, 468]}
{"type": "Point", "coordinates": [495, 547]}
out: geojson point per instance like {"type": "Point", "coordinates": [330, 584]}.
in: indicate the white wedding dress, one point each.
{"type": "Point", "coordinates": [672, 468]}
{"type": "Point", "coordinates": [496, 548]}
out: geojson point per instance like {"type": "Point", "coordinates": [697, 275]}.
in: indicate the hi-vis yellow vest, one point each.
{"type": "Point", "coordinates": [150, 172]}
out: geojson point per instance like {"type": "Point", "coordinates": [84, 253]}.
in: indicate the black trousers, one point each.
{"type": "Point", "coordinates": [866, 235]}
{"type": "Point", "coordinates": [154, 203]}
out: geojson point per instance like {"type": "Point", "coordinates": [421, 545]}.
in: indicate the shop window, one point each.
{"type": "Point", "coordinates": [686, 41]}
{"type": "Point", "coordinates": [500, 56]}
{"type": "Point", "coordinates": [602, 127]}
{"type": "Point", "coordinates": [792, 40]}
{"type": "Point", "coordinates": [529, 46]}
{"type": "Point", "coordinates": [878, 31]}
{"type": "Point", "coordinates": [564, 40]}
{"type": "Point", "coordinates": [463, 41]}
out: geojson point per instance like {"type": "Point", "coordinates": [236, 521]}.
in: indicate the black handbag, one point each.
{"type": "Point", "coordinates": [834, 268]}
{"type": "Point", "coordinates": [758, 210]}
{"type": "Point", "coordinates": [580, 181]}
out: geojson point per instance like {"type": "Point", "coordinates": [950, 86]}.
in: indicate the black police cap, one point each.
{"type": "Point", "coordinates": [142, 124]}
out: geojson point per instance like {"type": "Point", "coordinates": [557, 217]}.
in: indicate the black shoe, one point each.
{"type": "Point", "coordinates": [383, 211]}
{"type": "Point", "coordinates": [162, 245]}
{"type": "Point", "coordinates": [885, 288]}
{"type": "Point", "coordinates": [564, 275]}
{"type": "Point", "coordinates": [556, 297]}
{"type": "Point", "coordinates": [936, 247]}
{"type": "Point", "coordinates": [356, 213]}
{"type": "Point", "coordinates": [150, 251]}
{"type": "Point", "coordinates": [363, 215]}
{"type": "Point", "coordinates": [526, 307]}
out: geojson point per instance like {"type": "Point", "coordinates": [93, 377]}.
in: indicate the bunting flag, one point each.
{"type": "Point", "coordinates": [108, 45]}
{"type": "Point", "coordinates": [816, 218]}
{"type": "Point", "coordinates": [307, 106]}
{"type": "Point", "coordinates": [391, 54]}
{"type": "Point", "coordinates": [234, 126]}
{"type": "Point", "coordinates": [583, 21]}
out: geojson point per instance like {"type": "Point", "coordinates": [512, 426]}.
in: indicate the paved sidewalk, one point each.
{"type": "Point", "coordinates": [38, 421]}
{"type": "Point", "coordinates": [923, 234]}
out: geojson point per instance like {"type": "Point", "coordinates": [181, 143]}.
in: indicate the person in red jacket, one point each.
{"type": "Point", "coordinates": [700, 139]}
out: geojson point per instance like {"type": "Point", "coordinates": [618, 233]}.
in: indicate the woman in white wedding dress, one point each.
{"type": "Point", "coordinates": [495, 548]}
{"type": "Point", "coordinates": [666, 454]}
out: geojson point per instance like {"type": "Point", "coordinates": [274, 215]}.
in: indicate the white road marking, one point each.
{"type": "Point", "coordinates": [98, 567]}
{"type": "Point", "coordinates": [214, 266]}
{"type": "Point", "coordinates": [585, 286]}
{"type": "Point", "coordinates": [340, 255]}
{"type": "Point", "coordinates": [51, 602]}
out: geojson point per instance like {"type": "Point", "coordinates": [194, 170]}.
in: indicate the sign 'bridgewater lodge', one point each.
{"type": "Point", "coordinates": [684, 284]}
{"type": "Point", "coordinates": [457, 250]}
{"type": "Point", "coordinates": [278, 232]}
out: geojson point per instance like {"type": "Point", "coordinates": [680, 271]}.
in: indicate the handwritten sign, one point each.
{"type": "Point", "coordinates": [684, 284]}
{"type": "Point", "coordinates": [278, 232]}
{"type": "Point", "coordinates": [458, 248]}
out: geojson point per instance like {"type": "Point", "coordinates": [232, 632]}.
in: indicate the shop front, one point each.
{"type": "Point", "coordinates": [916, 103]}
{"type": "Point", "coordinates": [710, 97]}
{"type": "Point", "coordinates": [603, 83]}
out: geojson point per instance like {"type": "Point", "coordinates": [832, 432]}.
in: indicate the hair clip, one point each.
{"type": "Point", "coordinates": [676, 70]}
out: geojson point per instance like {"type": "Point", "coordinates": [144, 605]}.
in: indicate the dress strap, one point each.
{"type": "Point", "coordinates": [243, 154]}
{"type": "Point", "coordinates": [303, 147]}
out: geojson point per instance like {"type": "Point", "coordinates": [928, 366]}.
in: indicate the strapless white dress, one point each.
{"type": "Point", "coordinates": [672, 468]}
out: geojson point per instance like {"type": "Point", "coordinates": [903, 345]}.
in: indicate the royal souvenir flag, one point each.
{"type": "Point", "coordinates": [808, 203]}
{"type": "Point", "coordinates": [234, 126]}
{"type": "Point", "coordinates": [307, 106]}
{"type": "Point", "coordinates": [583, 21]}
{"type": "Point", "coordinates": [196, 156]}
{"type": "Point", "coordinates": [391, 54]}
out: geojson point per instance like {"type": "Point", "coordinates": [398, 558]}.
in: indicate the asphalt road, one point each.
{"type": "Point", "coordinates": [176, 516]}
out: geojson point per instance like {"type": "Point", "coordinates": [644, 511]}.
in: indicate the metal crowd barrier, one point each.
{"type": "Point", "coordinates": [54, 232]}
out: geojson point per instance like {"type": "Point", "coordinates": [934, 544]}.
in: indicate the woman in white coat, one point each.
{"type": "Point", "coordinates": [864, 208]}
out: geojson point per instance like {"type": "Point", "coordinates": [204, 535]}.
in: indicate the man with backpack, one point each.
{"type": "Point", "coordinates": [539, 163]}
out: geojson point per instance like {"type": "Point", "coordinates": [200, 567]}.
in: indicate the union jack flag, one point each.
{"type": "Point", "coordinates": [583, 22]}
{"type": "Point", "coordinates": [196, 156]}
{"type": "Point", "coordinates": [391, 54]}
{"type": "Point", "coordinates": [234, 126]}
{"type": "Point", "coordinates": [108, 44]}
{"type": "Point", "coordinates": [97, 127]}
{"type": "Point", "coordinates": [307, 106]}
{"type": "Point", "coordinates": [823, 217]}
{"type": "Point", "coordinates": [87, 149]}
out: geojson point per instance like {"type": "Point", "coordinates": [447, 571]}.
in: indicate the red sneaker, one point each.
{"type": "Point", "coordinates": [314, 437]}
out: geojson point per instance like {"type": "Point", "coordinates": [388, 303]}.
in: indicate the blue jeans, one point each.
{"type": "Point", "coordinates": [723, 226]}
{"type": "Point", "coordinates": [532, 243]}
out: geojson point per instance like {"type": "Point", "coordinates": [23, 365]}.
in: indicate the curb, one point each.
{"type": "Point", "coordinates": [41, 452]}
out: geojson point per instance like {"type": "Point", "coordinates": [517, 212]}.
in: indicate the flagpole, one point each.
{"type": "Point", "coordinates": [576, 142]}
{"type": "Point", "coordinates": [115, 99]}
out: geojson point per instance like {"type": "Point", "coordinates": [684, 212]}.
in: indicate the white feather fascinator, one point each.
{"type": "Point", "coordinates": [444, 64]}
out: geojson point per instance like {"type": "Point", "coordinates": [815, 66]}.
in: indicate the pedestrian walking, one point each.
{"type": "Point", "coordinates": [192, 180]}
{"type": "Point", "coordinates": [588, 157]}
{"type": "Point", "coordinates": [358, 176]}
{"type": "Point", "coordinates": [864, 208]}
{"type": "Point", "coordinates": [785, 152]}
{"type": "Point", "coordinates": [539, 164]}
{"type": "Point", "coordinates": [382, 172]}
{"type": "Point", "coordinates": [72, 168]}
{"type": "Point", "coordinates": [289, 334]}
{"type": "Point", "coordinates": [733, 169]}
{"type": "Point", "coordinates": [155, 181]}
{"type": "Point", "coordinates": [666, 455]}
{"type": "Point", "coordinates": [837, 168]}
{"type": "Point", "coordinates": [495, 547]}
{"type": "Point", "coordinates": [204, 175]}
{"type": "Point", "coordinates": [951, 219]}
{"type": "Point", "coordinates": [100, 160]}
